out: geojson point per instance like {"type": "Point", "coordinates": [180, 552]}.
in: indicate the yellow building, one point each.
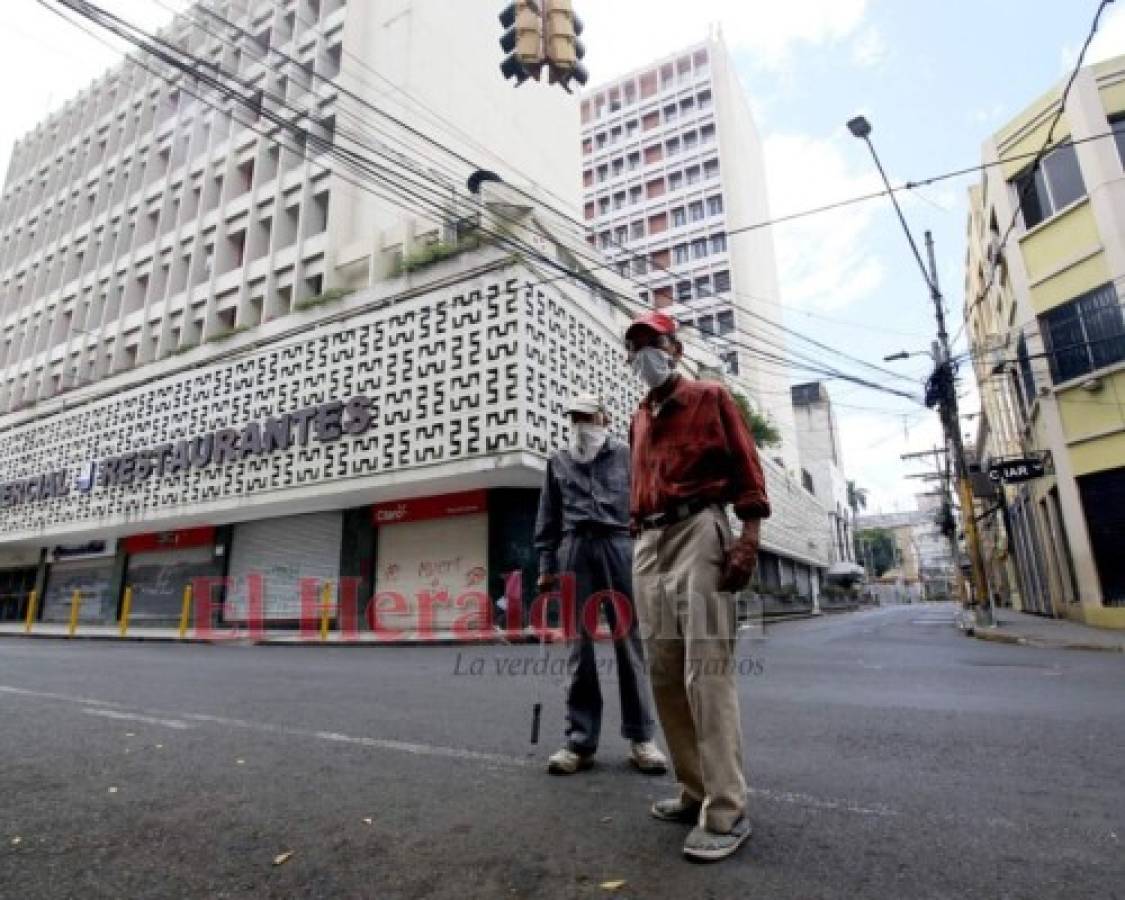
{"type": "Point", "coordinates": [1046, 322]}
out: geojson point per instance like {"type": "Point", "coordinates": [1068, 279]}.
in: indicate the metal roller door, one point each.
{"type": "Point", "coordinates": [446, 559]}
{"type": "Point", "coordinates": [283, 551]}
{"type": "Point", "coordinates": [158, 579]}
{"type": "Point", "coordinates": [92, 578]}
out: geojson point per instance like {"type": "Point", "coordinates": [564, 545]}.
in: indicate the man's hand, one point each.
{"type": "Point", "coordinates": [546, 580]}
{"type": "Point", "coordinates": [742, 558]}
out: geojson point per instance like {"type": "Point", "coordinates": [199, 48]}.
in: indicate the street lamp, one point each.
{"type": "Point", "coordinates": [906, 354]}
{"type": "Point", "coordinates": [860, 127]}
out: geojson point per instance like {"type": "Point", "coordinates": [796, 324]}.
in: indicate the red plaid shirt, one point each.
{"type": "Point", "coordinates": [697, 448]}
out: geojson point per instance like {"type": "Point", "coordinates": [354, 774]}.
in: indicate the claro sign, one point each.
{"type": "Point", "coordinates": [322, 424]}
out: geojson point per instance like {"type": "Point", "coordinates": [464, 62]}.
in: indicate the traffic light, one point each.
{"type": "Point", "coordinates": [565, 51]}
{"type": "Point", "coordinates": [522, 40]}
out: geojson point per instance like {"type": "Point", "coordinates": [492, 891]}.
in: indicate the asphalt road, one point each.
{"type": "Point", "coordinates": [888, 756]}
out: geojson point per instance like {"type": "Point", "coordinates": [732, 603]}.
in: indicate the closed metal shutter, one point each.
{"type": "Point", "coordinates": [91, 577]}
{"type": "Point", "coordinates": [283, 551]}
{"type": "Point", "coordinates": [445, 560]}
{"type": "Point", "coordinates": [158, 579]}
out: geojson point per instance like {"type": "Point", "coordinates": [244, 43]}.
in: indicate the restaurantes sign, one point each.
{"type": "Point", "coordinates": [324, 423]}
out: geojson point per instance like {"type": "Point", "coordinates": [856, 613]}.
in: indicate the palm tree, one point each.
{"type": "Point", "coordinates": [857, 498]}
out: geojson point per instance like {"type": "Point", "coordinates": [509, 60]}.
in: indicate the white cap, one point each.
{"type": "Point", "coordinates": [589, 404]}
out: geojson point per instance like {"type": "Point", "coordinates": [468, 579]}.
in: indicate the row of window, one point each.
{"type": "Point", "coordinates": [696, 211]}
{"type": "Point", "coordinates": [688, 289]}
{"type": "Point", "coordinates": [645, 85]}
{"type": "Point", "coordinates": [653, 189]}
{"type": "Point", "coordinates": [682, 254]}
{"type": "Point", "coordinates": [686, 142]}
{"type": "Point", "coordinates": [667, 115]}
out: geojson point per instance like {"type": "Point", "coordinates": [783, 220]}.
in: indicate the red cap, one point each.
{"type": "Point", "coordinates": [659, 322]}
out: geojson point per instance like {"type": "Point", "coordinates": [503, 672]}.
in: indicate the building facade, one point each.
{"type": "Point", "coordinates": [1045, 319]}
{"type": "Point", "coordinates": [672, 160]}
{"type": "Point", "coordinates": [226, 358]}
{"type": "Point", "coordinates": [822, 468]}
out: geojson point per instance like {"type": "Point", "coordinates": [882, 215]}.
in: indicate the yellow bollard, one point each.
{"type": "Point", "coordinates": [32, 608]}
{"type": "Point", "coordinates": [325, 609]}
{"type": "Point", "coordinates": [126, 609]}
{"type": "Point", "coordinates": [75, 603]}
{"type": "Point", "coordinates": [185, 613]}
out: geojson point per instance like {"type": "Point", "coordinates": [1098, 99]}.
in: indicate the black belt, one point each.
{"type": "Point", "coordinates": [598, 529]}
{"type": "Point", "coordinates": [674, 514]}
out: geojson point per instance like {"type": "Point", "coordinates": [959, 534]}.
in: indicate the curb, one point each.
{"type": "Point", "coordinates": [1002, 638]}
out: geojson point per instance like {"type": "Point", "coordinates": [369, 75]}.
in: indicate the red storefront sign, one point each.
{"type": "Point", "coordinates": [170, 540]}
{"type": "Point", "coordinates": [422, 509]}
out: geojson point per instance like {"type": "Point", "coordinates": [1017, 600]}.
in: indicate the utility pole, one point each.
{"type": "Point", "coordinates": [941, 463]}
{"type": "Point", "coordinates": [951, 420]}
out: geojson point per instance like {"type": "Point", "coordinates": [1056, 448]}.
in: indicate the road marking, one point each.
{"type": "Point", "coordinates": [43, 695]}
{"type": "Point", "coordinates": [136, 717]}
{"type": "Point", "coordinates": [808, 800]}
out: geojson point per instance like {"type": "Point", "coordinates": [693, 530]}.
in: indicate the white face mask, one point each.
{"type": "Point", "coordinates": [652, 366]}
{"type": "Point", "coordinates": [586, 439]}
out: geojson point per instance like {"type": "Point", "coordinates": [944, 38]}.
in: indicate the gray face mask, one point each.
{"type": "Point", "coordinates": [652, 366]}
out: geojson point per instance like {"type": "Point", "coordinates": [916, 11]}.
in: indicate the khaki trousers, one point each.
{"type": "Point", "coordinates": [690, 632]}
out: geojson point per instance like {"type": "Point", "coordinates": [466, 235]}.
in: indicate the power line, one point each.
{"type": "Point", "coordinates": [355, 161]}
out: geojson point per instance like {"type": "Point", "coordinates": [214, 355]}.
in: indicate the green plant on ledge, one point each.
{"type": "Point", "coordinates": [431, 254]}
{"type": "Point", "coordinates": [330, 296]}
{"type": "Point", "coordinates": [183, 348]}
{"type": "Point", "coordinates": [225, 334]}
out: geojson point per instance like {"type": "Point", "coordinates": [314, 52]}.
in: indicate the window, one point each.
{"type": "Point", "coordinates": [699, 248]}
{"type": "Point", "coordinates": [1054, 185]}
{"type": "Point", "coordinates": [707, 134]}
{"type": "Point", "coordinates": [634, 161]}
{"type": "Point", "coordinates": [683, 291]}
{"type": "Point", "coordinates": [691, 140]}
{"type": "Point", "coordinates": [1085, 334]}
{"type": "Point", "coordinates": [675, 181]}
{"type": "Point", "coordinates": [681, 254]}
{"type": "Point", "coordinates": [726, 321]}
{"type": "Point", "coordinates": [604, 240]}
{"type": "Point", "coordinates": [636, 195]}
{"type": "Point", "coordinates": [730, 362]}
{"type": "Point", "coordinates": [618, 167]}
{"type": "Point", "coordinates": [703, 286]}
{"type": "Point", "coordinates": [696, 210]}
{"type": "Point", "coordinates": [603, 172]}
{"type": "Point", "coordinates": [711, 168]}
{"type": "Point", "coordinates": [718, 243]}
{"type": "Point", "coordinates": [1118, 123]}
{"type": "Point", "coordinates": [722, 282]}
{"type": "Point", "coordinates": [706, 326]}
{"type": "Point", "coordinates": [679, 217]}
{"type": "Point", "coordinates": [673, 147]}
{"type": "Point", "coordinates": [693, 175]}
{"type": "Point", "coordinates": [640, 265]}
{"type": "Point", "coordinates": [638, 230]}
{"type": "Point", "coordinates": [603, 205]}
{"type": "Point", "coordinates": [715, 206]}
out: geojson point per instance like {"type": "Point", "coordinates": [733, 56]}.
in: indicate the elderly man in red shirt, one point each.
{"type": "Point", "coordinates": [692, 456]}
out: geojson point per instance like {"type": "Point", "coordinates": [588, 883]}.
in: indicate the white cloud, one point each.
{"type": "Point", "coordinates": [825, 261]}
{"type": "Point", "coordinates": [624, 34]}
{"type": "Point", "coordinates": [1108, 42]}
{"type": "Point", "coordinates": [873, 445]}
{"type": "Point", "coordinates": [63, 59]}
{"type": "Point", "coordinates": [870, 48]}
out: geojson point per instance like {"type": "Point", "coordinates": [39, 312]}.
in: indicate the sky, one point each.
{"type": "Point", "coordinates": [934, 79]}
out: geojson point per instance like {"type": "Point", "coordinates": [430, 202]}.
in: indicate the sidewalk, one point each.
{"type": "Point", "coordinates": [1022, 628]}
{"type": "Point", "coordinates": [289, 638]}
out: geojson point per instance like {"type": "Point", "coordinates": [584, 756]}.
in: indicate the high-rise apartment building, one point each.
{"type": "Point", "coordinates": [671, 163]}
{"type": "Point", "coordinates": [1046, 321]}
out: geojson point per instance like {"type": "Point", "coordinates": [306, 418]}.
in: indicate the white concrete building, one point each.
{"type": "Point", "coordinates": [224, 359]}
{"type": "Point", "coordinates": [671, 159]}
{"type": "Point", "coordinates": [140, 221]}
{"type": "Point", "coordinates": [822, 467]}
